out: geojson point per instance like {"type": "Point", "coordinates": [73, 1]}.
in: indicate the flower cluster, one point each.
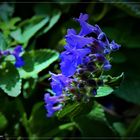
{"type": "Point", "coordinates": [16, 53]}
{"type": "Point", "coordinates": [86, 56]}
{"type": "Point", "coordinates": [59, 84]}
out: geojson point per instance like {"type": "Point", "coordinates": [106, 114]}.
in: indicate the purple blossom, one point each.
{"type": "Point", "coordinates": [6, 52]}
{"type": "Point", "coordinates": [114, 46]}
{"type": "Point", "coordinates": [99, 57]}
{"type": "Point", "coordinates": [59, 82]}
{"type": "Point", "coordinates": [107, 65]}
{"type": "Point", "coordinates": [17, 50]}
{"type": "Point", "coordinates": [71, 59]}
{"type": "Point", "coordinates": [86, 55]}
{"type": "Point", "coordinates": [85, 27]}
{"type": "Point", "coordinates": [16, 53]}
{"type": "Point", "coordinates": [76, 40]}
{"type": "Point", "coordinates": [98, 47]}
{"type": "Point", "coordinates": [53, 103]}
{"type": "Point", "coordinates": [106, 51]}
{"type": "Point", "coordinates": [19, 61]}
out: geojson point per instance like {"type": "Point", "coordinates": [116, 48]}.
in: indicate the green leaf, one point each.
{"type": "Point", "coordinates": [114, 81]}
{"type": "Point", "coordinates": [40, 125]}
{"type": "Point", "coordinates": [29, 87]}
{"type": "Point", "coordinates": [134, 128]}
{"type": "Point", "coordinates": [97, 112]}
{"type": "Point", "coordinates": [30, 28]}
{"type": "Point", "coordinates": [52, 21]}
{"type": "Point", "coordinates": [31, 31]}
{"type": "Point", "coordinates": [69, 108]}
{"type": "Point", "coordinates": [54, 15]}
{"type": "Point", "coordinates": [36, 61]}
{"type": "Point", "coordinates": [129, 89]}
{"type": "Point", "coordinates": [3, 44]}
{"type": "Point", "coordinates": [6, 11]}
{"type": "Point", "coordinates": [17, 35]}
{"type": "Point", "coordinates": [94, 124]}
{"type": "Point", "coordinates": [13, 21]}
{"type": "Point", "coordinates": [13, 110]}
{"type": "Point", "coordinates": [3, 121]}
{"type": "Point", "coordinates": [120, 128]}
{"type": "Point", "coordinates": [31, 21]}
{"type": "Point", "coordinates": [10, 81]}
{"type": "Point", "coordinates": [61, 128]}
{"type": "Point", "coordinates": [10, 25]}
{"type": "Point", "coordinates": [104, 91]}
{"type": "Point", "coordinates": [132, 9]}
{"type": "Point", "coordinates": [73, 109]}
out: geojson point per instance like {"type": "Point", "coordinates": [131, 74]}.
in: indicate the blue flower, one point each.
{"type": "Point", "coordinates": [16, 53]}
{"type": "Point", "coordinates": [102, 37]}
{"type": "Point", "coordinates": [85, 27]}
{"type": "Point", "coordinates": [6, 52]}
{"type": "Point", "coordinates": [75, 52]}
{"type": "Point", "coordinates": [19, 61]}
{"type": "Point", "coordinates": [106, 65]}
{"type": "Point", "coordinates": [106, 51]}
{"type": "Point", "coordinates": [114, 46]}
{"type": "Point", "coordinates": [77, 41]}
{"type": "Point", "coordinates": [17, 50]}
{"type": "Point", "coordinates": [59, 82]}
{"type": "Point", "coordinates": [86, 54]}
{"type": "Point", "coordinates": [98, 47]}
{"type": "Point", "coordinates": [101, 58]}
{"type": "Point", "coordinates": [71, 59]}
{"type": "Point", "coordinates": [53, 104]}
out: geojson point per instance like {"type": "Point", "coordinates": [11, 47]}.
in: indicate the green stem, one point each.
{"type": "Point", "coordinates": [60, 128]}
{"type": "Point", "coordinates": [24, 119]}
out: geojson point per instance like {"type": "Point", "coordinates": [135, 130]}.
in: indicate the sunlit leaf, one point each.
{"type": "Point", "coordinates": [29, 32]}
{"type": "Point", "coordinates": [3, 44]}
{"type": "Point", "coordinates": [104, 91]}
{"type": "Point", "coordinates": [10, 82]}
{"type": "Point", "coordinates": [94, 124]}
{"type": "Point", "coordinates": [36, 61]}
{"type": "Point", "coordinates": [52, 21]}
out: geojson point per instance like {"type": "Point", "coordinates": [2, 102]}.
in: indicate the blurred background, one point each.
{"type": "Point", "coordinates": [25, 116]}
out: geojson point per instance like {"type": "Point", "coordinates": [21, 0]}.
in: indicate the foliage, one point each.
{"type": "Point", "coordinates": [40, 28]}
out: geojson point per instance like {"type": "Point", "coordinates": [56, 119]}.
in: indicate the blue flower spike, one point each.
{"type": "Point", "coordinates": [53, 103]}
{"type": "Point", "coordinates": [85, 58]}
